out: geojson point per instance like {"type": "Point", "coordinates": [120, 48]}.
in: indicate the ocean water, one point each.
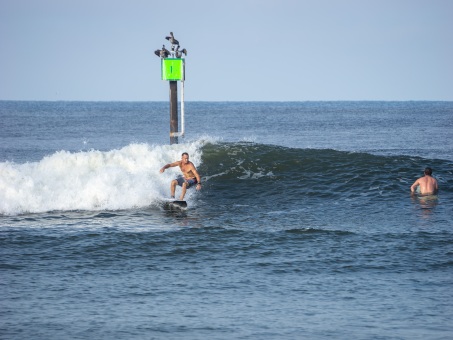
{"type": "Point", "coordinates": [304, 229]}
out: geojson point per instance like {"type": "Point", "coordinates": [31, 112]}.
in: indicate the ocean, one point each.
{"type": "Point", "coordinates": [304, 228]}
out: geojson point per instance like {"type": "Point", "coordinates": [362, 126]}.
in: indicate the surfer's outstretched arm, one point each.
{"type": "Point", "coordinates": [170, 165]}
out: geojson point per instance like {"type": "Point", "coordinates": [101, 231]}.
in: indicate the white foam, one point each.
{"type": "Point", "coordinates": [92, 180]}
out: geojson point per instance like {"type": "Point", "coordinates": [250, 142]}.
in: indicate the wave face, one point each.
{"type": "Point", "coordinates": [247, 169]}
{"type": "Point", "coordinates": [257, 185]}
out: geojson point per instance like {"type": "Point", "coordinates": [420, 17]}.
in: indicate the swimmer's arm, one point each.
{"type": "Point", "coordinates": [170, 165]}
{"type": "Point", "coordinates": [414, 186]}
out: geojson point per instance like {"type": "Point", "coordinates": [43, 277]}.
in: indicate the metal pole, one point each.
{"type": "Point", "coordinates": [173, 112]}
{"type": "Point", "coordinates": [182, 109]}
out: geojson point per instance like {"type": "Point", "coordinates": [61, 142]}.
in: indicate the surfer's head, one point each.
{"type": "Point", "coordinates": [185, 157]}
{"type": "Point", "coordinates": [428, 171]}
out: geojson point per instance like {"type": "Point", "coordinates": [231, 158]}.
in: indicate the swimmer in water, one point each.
{"type": "Point", "coordinates": [428, 185]}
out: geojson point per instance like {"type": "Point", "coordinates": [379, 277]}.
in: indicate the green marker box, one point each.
{"type": "Point", "coordinates": [173, 69]}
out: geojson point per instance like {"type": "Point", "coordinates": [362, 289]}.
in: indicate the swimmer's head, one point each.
{"type": "Point", "coordinates": [428, 171]}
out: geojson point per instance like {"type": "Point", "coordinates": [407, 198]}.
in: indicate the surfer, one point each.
{"type": "Point", "coordinates": [428, 185]}
{"type": "Point", "coordinates": [190, 176]}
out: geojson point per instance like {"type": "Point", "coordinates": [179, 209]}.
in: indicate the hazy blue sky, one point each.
{"type": "Point", "coordinates": [237, 50]}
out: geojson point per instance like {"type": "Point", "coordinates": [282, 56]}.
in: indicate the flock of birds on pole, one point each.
{"type": "Point", "coordinates": [175, 51]}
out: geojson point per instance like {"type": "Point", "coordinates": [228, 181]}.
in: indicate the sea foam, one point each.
{"type": "Point", "coordinates": [93, 180]}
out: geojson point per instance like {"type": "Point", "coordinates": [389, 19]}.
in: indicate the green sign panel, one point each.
{"type": "Point", "coordinates": [172, 69]}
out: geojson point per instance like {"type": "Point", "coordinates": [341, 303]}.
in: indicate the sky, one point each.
{"type": "Point", "coordinates": [238, 50]}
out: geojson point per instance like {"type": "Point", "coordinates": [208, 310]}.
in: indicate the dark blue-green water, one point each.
{"type": "Point", "coordinates": [305, 226]}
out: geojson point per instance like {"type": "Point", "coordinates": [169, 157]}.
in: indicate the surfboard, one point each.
{"type": "Point", "coordinates": [175, 205]}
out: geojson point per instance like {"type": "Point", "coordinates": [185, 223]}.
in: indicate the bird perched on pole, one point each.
{"type": "Point", "coordinates": [172, 39]}
{"type": "Point", "coordinates": [180, 52]}
{"type": "Point", "coordinates": [163, 53]}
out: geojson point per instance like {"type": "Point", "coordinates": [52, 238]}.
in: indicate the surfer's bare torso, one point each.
{"type": "Point", "coordinates": [187, 170]}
